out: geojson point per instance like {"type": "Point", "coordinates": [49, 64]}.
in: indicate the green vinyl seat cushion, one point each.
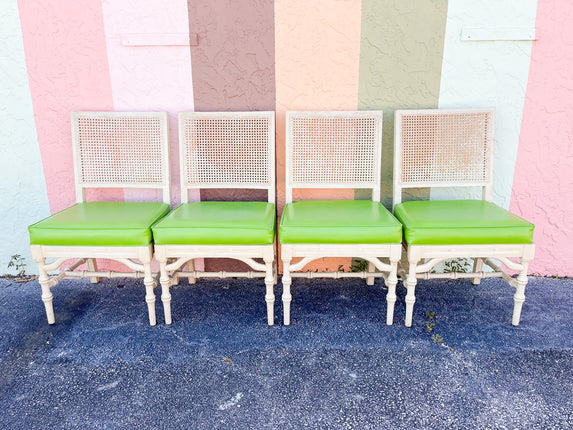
{"type": "Point", "coordinates": [218, 223]}
{"type": "Point", "coordinates": [99, 224]}
{"type": "Point", "coordinates": [338, 221]}
{"type": "Point", "coordinates": [461, 222]}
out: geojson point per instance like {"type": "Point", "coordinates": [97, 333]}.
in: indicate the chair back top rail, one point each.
{"type": "Point", "coordinates": [333, 149]}
{"type": "Point", "coordinates": [443, 148]}
{"type": "Point", "coordinates": [121, 150]}
{"type": "Point", "coordinates": [227, 150]}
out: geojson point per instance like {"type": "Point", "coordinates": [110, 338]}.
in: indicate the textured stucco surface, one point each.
{"type": "Point", "coordinates": [68, 70]}
{"type": "Point", "coordinates": [488, 73]}
{"type": "Point", "coordinates": [400, 65]}
{"type": "Point", "coordinates": [317, 69]}
{"type": "Point", "coordinates": [543, 182]}
{"type": "Point", "coordinates": [150, 77]}
{"type": "Point", "coordinates": [22, 184]}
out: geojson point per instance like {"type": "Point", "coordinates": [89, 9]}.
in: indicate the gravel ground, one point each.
{"type": "Point", "coordinates": [337, 366]}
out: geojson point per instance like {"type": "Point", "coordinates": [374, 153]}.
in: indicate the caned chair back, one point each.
{"type": "Point", "coordinates": [333, 149]}
{"type": "Point", "coordinates": [443, 148]}
{"type": "Point", "coordinates": [121, 150]}
{"type": "Point", "coordinates": [227, 150]}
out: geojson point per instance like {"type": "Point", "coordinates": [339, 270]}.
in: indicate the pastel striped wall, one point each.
{"type": "Point", "coordinates": [22, 182]}
{"type": "Point", "coordinates": [150, 77]}
{"type": "Point", "coordinates": [66, 57]}
{"type": "Point", "coordinates": [488, 73]}
{"type": "Point", "coordinates": [543, 181]}
{"type": "Point", "coordinates": [289, 54]}
{"type": "Point", "coordinates": [317, 62]}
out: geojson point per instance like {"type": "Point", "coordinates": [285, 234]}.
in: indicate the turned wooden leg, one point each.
{"type": "Point", "coordinates": [519, 296]}
{"type": "Point", "coordinates": [286, 297]}
{"type": "Point", "coordinates": [92, 266]}
{"type": "Point", "coordinates": [47, 296]}
{"type": "Point", "coordinates": [270, 294]}
{"type": "Point", "coordinates": [478, 267]}
{"type": "Point", "coordinates": [391, 295]}
{"type": "Point", "coordinates": [149, 294]}
{"type": "Point", "coordinates": [191, 268]}
{"type": "Point", "coordinates": [410, 283]}
{"type": "Point", "coordinates": [370, 279]}
{"type": "Point", "coordinates": [165, 294]}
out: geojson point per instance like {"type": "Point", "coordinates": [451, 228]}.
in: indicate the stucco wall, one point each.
{"type": "Point", "coordinates": [22, 183]}
{"type": "Point", "coordinates": [280, 55]}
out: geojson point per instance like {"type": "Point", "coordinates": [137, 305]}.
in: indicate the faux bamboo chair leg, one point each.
{"type": "Point", "coordinates": [391, 296]}
{"type": "Point", "coordinates": [92, 266]}
{"type": "Point", "coordinates": [370, 279]}
{"type": "Point", "coordinates": [47, 296]}
{"type": "Point", "coordinates": [519, 296]}
{"type": "Point", "coordinates": [165, 294]}
{"type": "Point", "coordinates": [410, 283]}
{"type": "Point", "coordinates": [287, 298]}
{"type": "Point", "coordinates": [191, 268]}
{"type": "Point", "coordinates": [270, 294]}
{"type": "Point", "coordinates": [478, 267]}
{"type": "Point", "coordinates": [149, 286]}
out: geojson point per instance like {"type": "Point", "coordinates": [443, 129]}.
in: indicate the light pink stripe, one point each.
{"type": "Point", "coordinates": [66, 58]}
{"type": "Point", "coordinates": [156, 78]}
{"type": "Point", "coordinates": [543, 183]}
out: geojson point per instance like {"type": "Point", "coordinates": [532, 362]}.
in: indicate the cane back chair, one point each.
{"type": "Point", "coordinates": [454, 148]}
{"type": "Point", "coordinates": [233, 150]}
{"type": "Point", "coordinates": [111, 150]}
{"type": "Point", "coordinates": [337, 150]}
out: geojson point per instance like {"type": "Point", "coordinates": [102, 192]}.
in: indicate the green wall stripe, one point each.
{"type": "Point", "coordinates": [401, 51]}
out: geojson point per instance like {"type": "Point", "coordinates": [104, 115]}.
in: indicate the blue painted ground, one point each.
{"type": "Point", "coordinates": [337, 366]}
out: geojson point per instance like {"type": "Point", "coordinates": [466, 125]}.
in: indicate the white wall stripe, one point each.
{"type": "Point", "coordinates": [488, 73]}
{"type": "Point", "coordinates": [22, 182]}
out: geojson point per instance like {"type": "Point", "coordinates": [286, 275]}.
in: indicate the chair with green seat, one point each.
{"type": "Point", "coordinates": [454, 148]}
{"type": "Point", "coordinates": [337, 150]}
{"type": "Point", "coordinates": [111, 150]}
{"type": "Point", "coordinates": [221, 150]}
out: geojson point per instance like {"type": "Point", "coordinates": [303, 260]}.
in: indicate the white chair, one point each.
{"type": "Point", "coordinates": [337, 150]}
{"type": "Point", "coordinates": [234, 150]}
{"type": "Point", "coordinates": [111, 150]}
{"type": "Point", "coordinates": [454, 148]}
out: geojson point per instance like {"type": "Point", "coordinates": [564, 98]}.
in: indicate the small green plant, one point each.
{"type": "Point", "coordinates": [430, 326]}
{"type": "Point", "coordinates": [359, 265]}
{"type": "Point", "coordinates": [459, 265]}
{"type": "Point", "coordinates": [18, 263]}
{"type": "Point", "coordinates": [430, 315]}
{"type": "Point", "coordinates": [438, 339]}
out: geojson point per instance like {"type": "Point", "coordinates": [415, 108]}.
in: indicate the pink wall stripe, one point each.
{"type": "Point", "coordinates": [543, 184]}
{"type": "Point", "coordinates": [66, 58]}
{"type": "Point", "coordinates": [150, 77]}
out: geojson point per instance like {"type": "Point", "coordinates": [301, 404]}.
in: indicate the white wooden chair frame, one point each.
{"type": "Point", "coordinates": [123, 254]}
{"type": "Point", "coordinates": [422, 258]}
{"type": "Point", "coordinates": [173, 258]}
{"type": "Point", "coordinates": [310, 252]}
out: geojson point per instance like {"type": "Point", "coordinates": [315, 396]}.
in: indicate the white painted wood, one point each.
{"type": "Point", "coordinates": [310, 164]}
{"type": "Point", "coordinates": [434, 131]}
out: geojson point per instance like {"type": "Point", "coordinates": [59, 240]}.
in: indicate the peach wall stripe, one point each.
{"type": "Point", "coordinates": [66, 58]}
{"type": "Point", "coordinates": [543, 183]}
{"type": "Point", "coordinates": [317, 48]}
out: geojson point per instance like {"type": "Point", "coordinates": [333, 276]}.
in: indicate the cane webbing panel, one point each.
{"type": "Point", "coordinates": [227, 148]}
{"type": "Point", "coordinates": [449, 146]}
{"type": "Point", "coordinates": [334, 148]}
{"type": "Point", "coordinates": [117, 148]}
